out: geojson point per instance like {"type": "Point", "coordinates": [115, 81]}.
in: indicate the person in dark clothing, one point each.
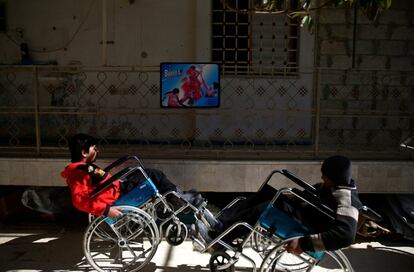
{"type": "Point", "coordinates": [337, 191]}
{"type": "Point", "coordinates": [248, 210]}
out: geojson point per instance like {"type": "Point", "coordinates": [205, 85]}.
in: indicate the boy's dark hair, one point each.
{"type": "Point", "coordinates": [338, 170]}
{"type": "Point", "coordinates": [80, 142]}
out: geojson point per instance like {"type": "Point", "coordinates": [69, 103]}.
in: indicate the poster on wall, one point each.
{"type": "Point", "coordinates": [189, 85]}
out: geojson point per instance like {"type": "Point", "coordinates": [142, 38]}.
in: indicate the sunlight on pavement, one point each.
{"type": "Point", "coordinates": [7, 237]}
{"type": "Point", "coordinates": [378, 246]}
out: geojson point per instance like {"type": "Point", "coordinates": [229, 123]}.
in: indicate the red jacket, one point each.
{"type": "Point", "coordinates": [82, 179]}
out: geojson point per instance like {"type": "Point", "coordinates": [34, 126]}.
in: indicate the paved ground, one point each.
{"type": "Point", "coordinates": [57, 247]}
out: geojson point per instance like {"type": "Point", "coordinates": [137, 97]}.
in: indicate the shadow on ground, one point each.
{"type": "Point", "coordinates": [380, 259]}
{"type": "Point", "coordinates": [61, 250]}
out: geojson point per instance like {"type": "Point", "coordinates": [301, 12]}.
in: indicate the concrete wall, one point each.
{"type": "Point", "coordinates": [142, 33]}
{"type": "Point", "coordinates": [370, 104]}
{"type": "Point", "coordinates": [223, 176]}
{"type": "Point", "coordinates": [148, 32]}
{"type": "Point", "coordinates": [138, 32]}
{"type": "Point", "coordinates": [385, 44]}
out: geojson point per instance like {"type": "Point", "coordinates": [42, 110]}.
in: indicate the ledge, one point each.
{"type": "Point", "coordinates": [223, 176]}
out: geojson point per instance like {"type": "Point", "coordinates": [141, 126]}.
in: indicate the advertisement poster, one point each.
{"type": "Point", "coordinates": [190, 85]}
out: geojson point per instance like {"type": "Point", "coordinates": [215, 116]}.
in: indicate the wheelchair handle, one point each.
{"type": "Point", "coordinates": [293, 178]}
{"type": "Point", "coordinates": [370, 214]}
{"type": "Point", "coordinates": [122, 160]}
{"type": "Point", "coordinates": [269, 177]}
{"type": "Point", "coordinates": [116, 163]}
{"type": "Point", "coordinates": [298, 181]}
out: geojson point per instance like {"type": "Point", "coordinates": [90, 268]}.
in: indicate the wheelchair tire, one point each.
{"type": "Point", "coordinates": [278, 259]}
{"type": "Point", "coordinates": [219, 259]}
{"type": "Point", "coordinates": [125, 244]}
{"type": "Point", "coordinates": [261, 244]}
{"type": "Point", "coordinates": [176, 233]}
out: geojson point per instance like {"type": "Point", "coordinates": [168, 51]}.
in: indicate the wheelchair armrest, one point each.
{"type": "Point", "coordinates": [109, 181]}
{"type": "Point", "coordinates": [298, 181]}
{"type": "Point", "coordinates": [314, 200]}
{"type": "Point", "coordinates": [370, 214]}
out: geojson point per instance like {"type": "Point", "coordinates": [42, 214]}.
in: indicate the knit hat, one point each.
{"type": "Point", "coordinates": [338, 170]}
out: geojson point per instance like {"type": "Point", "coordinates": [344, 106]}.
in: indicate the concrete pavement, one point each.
{"type": "Point", "coordinates": [55, 247]}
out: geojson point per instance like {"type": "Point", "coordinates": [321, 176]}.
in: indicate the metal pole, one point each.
{"type": "Point", "coordinates": [36, 108]}
{"type": "Point", "coordinates": [317, 111]}
{"type": "Point", "coordinates": [104, 33]}
{"type": "Point", "coordinates": [316, 86]}
{"type": "Point", "coordinates": [354, 33]}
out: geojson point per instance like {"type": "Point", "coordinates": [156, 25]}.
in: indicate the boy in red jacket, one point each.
{"type": "Point", "coordinates": [83, 176]}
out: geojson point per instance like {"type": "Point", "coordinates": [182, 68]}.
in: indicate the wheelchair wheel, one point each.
{"type": "Point", "coordinates": [125, 244]}
{"type": "Point", "coordinates": [280, 260]}
{"type": "Point", "coordinates": [161, 212]}
{"type": "Point", "coordinates": [261, 244]}
{"type": "Point", "coordinates": [176, 233]}
{"type": "Point", "coordinates": [221, 261]}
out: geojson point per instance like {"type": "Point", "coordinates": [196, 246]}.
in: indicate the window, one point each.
{"type": "Point", "coordinates": [254, 43]}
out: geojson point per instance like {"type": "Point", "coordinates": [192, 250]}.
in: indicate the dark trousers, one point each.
{"type": "Point", "coordinates": [248, 210]}
{"type": "Point", "coordinates": [159, 179]}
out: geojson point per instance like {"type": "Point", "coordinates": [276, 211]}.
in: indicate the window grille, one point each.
{"type": "Point", "coordinates": [245, 42]}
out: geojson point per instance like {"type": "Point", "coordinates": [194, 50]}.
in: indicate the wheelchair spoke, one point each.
{"type": "Point", "coordinates": [116, 255]}
{"type": "Point", "coordinates": [135, 235]}
{"type": "Point", "coordinates": [130, 242]}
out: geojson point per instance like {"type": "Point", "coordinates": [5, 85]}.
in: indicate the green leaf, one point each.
{"type": "Point", "coordinates": [304, 20]}
{"type": "Point", "coordinates": [385, 4]}
{"type": "Point", "coordinates": [296, 14]}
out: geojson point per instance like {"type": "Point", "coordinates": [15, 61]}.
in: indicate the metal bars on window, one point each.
{"type": "Point", "coordinates": [252, 43]}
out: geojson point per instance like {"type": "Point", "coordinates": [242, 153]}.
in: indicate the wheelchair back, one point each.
{"type": "Point", "coordinates": [295, 213]}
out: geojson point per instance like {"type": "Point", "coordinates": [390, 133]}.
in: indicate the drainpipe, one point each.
{"type": "Point", "coordinates": [104, 33]}
{"type": "Point", "coordinates": [316, 109]}
{"type": "Point", "coordinates": [354, 33]}
{"type": "Point", "coordinates": [36, 108]}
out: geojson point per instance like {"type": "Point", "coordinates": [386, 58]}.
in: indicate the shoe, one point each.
{"type": "Point", "coordinates": [200, 244]}
{"type": "Point", "coordinates": [197, 247]}
{"type": "Point", "coordinates": [200, 231]}
{"type": "Point", "coordinates": [216, 247]}
{"type": "Point", "coordinates": [214, 223]}
{"type": "Point", "coordinates": [194, 198]}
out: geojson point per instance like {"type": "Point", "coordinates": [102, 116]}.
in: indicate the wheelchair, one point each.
{"type": "Point", "coordinates": [279, 224]}
{"type": "Point", "coordinates": [128, 243]}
